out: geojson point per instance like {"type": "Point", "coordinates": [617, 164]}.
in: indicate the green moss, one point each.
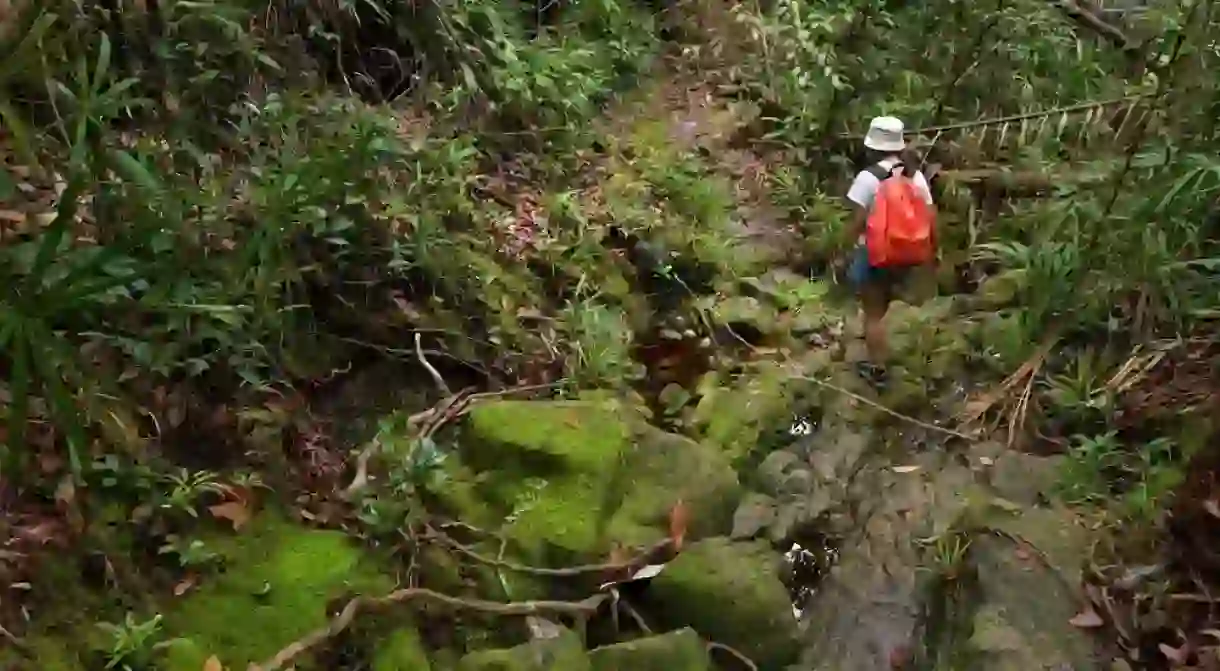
{"type": "Point", "coordinates": [729, 593]}
{"type": "Point", "coordinates": [733, 417]}
{"type": "Point", "coordinates": [46, 653]}
{"type": "Point", "coordinates": [564, 653]}
{"type": "Point", "coordinates": [604, 473]}
{"type": "Point", "coordinates": [572, 445]}
{"type": "Point", "coordinates": [676, 651]}
{"type": "Point", "coordinates": [278, 580]}
{"type": "Point", "coordinates": [402, 651]}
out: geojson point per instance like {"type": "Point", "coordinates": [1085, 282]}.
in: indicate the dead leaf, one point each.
{"type": "Point", "coordinates": [1176, 656]}
{"type": "Point", "coordinates": [65, 493]}
{"type": "Point", "coordinates": [213, 664]}
{"type": "Point", "coordinates": [905, 469]}
{"type": "Point", "coordinates": [1087, 619]}
{"type": "Point", "coordinates": [184, 586]}
{"type": "Point", "coordinates": [679, 516]}
{"type": "Point", "coordinates": [235, 512]}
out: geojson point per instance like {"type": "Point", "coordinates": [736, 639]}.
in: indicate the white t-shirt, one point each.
{"type": "Point", "coordinates": [864, 188]}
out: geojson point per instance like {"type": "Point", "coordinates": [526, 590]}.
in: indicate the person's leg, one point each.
{"type": "Point", "coordinates": [874, 303]}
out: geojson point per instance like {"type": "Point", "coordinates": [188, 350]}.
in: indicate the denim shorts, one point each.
{"type": "Point", "coordinates": [862, 275]}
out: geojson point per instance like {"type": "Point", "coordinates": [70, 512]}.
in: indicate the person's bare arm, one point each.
{"type": "Point", "coordinates": [859, 220]}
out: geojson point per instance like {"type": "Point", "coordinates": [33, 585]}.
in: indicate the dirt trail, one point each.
{"type": "Point", "coordinates": [943, 554]}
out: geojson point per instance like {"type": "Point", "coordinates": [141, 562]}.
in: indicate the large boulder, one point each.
{"type": "Point", "coordinates": [730, 593]}
{"type": "Point", "coordinates": [680, 650]}
{"type": "Point", "coordinates": [576, 476]}
{"type": "Point", "coordinates": [1026, 576]}
{"type": "Point", "coordinates": [866, 613]}
{"type": "Point", "coordinates": [561, 653]}
{"type": "Point", "coordinates": [801, 484]}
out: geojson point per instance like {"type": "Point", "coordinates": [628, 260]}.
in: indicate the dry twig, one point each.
{"type": "Point", "coordinates": [339, 623]}
{"type": "Point", "coordinates": [1096, 24]}
{"type": "Point", "coordinates": [423, 361]}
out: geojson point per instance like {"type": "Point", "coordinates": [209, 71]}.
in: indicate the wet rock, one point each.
{"type": "Point", "coordinates": [730, 593]}
{"type": "Point", "coordinates": [562, 653]}
{"type": "Point", "coordinates": [1026, 579]}
{"type": "Point", "coordinates": [835, 451]}
{"type": "Point", "coordinates": [601, 474]}
{"type": "Point", "coordinates": [798, 481]}
{"type": "Point", "coordinates": [755, 514]}
{"type": "Point", "coordinates": [868, 607]}
{"type": "Point", "coordinates": [775, 469]}
{"type": "Point", "coordinates": [680, 650]}
{"type": "Point", "coordinates": [1025, 478]}
{"type": "Point", "coordinates": [800, 513]}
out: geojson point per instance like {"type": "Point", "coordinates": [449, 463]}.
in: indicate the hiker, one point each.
{"type": "Point", "coordinates": [894, 222]}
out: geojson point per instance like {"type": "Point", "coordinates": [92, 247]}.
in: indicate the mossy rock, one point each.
{"type": "Point", "coordinates": [729, 593]}
{"type": "Point", "coordinates": [403, 650]}
{"type": "Point", "coordinates": [562, 653]}
{"type": "Point", "coordinates": [1019, 624]}
{"type": "Point", "coordinates": [738, 311]}
{"type": "Point", "coordinates": [278, 581]}
{"type": "Point", "coordinates": [605, 474]}
{"type": "Point", "coordinates": [680, 650]}
{"type": "Point", "coordinates": [734, 417]}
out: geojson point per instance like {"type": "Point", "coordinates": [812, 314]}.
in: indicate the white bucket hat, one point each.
{"type": "Point", "coordinates": [885, 134]}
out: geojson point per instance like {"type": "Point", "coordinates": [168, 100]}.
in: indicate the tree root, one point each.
{"type": "Point", "coordinates": [889, 411]}
{"type": "Point", "coordinates": [429, 421]}
{"type": "Point", "coordinates": [734, 653]}
{"type": "Point", "coordinates": [339, 623]}
{"type": "Point", "coordinates": [639, 561]}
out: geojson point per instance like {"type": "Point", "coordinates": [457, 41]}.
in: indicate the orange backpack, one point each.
{"type": "Point", "coordinates": [899, 227]}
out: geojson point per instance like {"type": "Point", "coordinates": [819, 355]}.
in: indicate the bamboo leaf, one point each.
{"type": "Point", "coordinates": [52, 367]}
{"type": "Point", "coordinates": [18, 59]}
{"type": "Point", "coordinates": [19, 385]}
{"type": "Point", "coordinates": [1182, 183]}
{"type": "Point", "coordinates": [52, 239]}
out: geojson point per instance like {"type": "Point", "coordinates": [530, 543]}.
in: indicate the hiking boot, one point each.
{"type": "Point", "coordinates": [872, 373]}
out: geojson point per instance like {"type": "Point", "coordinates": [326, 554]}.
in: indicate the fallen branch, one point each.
{"type": "Point", "coordinates": [734, 653]}
{"type": "Point", "coordinates": [340, 622]}
{"type": "Point", "coordinates": [1023, 378]}
{"type": "Point", "coordinates": [882, 408]}
{"type": "Point", "coordinates": [1069, 109]}
{"type": "Point", "coordinates": [423, 361]}
{"type": "Point", "coordinates": [637, 562]}
{"type": "Point", "coordinates": [1009, 183]}
{"type": "Point", "coordinates": [1096, 24]}
{"type": "Point", "coordinates": [12, 638]}
{"type": "Point", "coordinates": [621, 603]}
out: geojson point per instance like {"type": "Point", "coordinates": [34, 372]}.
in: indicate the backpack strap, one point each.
{"type": "Point", "coordinates": [882, 173]}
